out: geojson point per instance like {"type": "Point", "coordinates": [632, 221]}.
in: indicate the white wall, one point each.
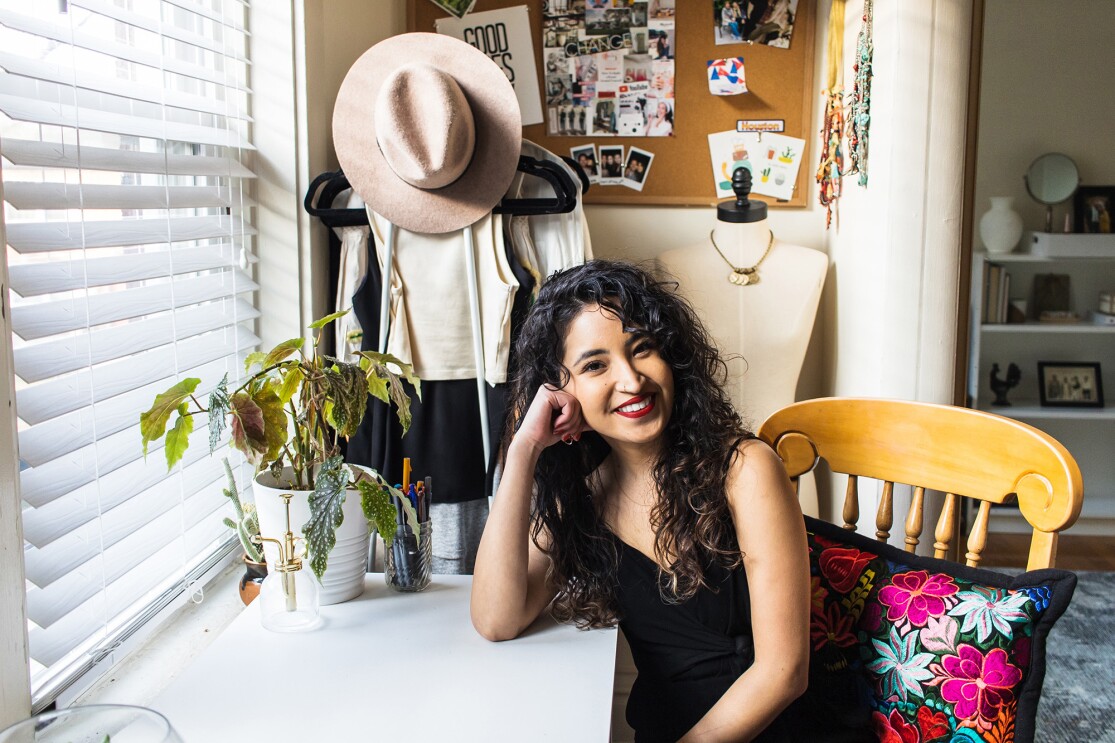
{"type": "Point", "coordinates": [1042, 90]}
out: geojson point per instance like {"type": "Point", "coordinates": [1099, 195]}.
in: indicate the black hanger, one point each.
{"type": "Point", "coordinates": [331, 184]}
{"type": "Point", "coordinates": [565, 190]}
{"type": "Point", "coordinates": [327, 186]}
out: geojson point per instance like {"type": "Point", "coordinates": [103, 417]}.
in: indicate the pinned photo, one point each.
{"type": "Point", "coordinates": [726, 76]}
{"type": "Point", "coordinates": [605, 118]}
{"type": "Point", "coordinates": [455, 7]}
{"type": "Point", "coordinates": [611, 165]}
{"type": "Point", "coordinates": [637, 169]}
{"type": "Point", "coordinates": [585, 156]}
{"type": "Point", "coordinates": [770, 22]}
{"type": "Point", "coordinates": [660, 117]}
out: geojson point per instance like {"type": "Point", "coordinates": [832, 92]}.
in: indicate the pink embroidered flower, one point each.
{"type": "Point", "coordinates": [831, 626]}
{"type": "Point", "coordinates": [917, 596]}
{"type": "Point", "coordinates": [894, 729]}
{"type": "Point", "coordinates": [842, 567]}
{"type": "Point", "coordinates": [977, 684]}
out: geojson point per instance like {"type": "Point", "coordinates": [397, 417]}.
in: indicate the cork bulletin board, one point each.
{"type": "Point", "coordinates": [779, 81]}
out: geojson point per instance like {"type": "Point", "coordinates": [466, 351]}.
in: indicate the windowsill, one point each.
{"type": "Point", "coordinates": [151, 666]}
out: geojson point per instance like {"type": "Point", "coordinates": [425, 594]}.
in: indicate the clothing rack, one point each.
{"type": "Point", "coordinates": [327, 186]}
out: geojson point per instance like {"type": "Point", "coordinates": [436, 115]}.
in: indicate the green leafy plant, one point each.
{"type": "Point", "coordinates": [292, 412]}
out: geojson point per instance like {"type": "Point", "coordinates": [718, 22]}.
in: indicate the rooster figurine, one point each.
{"type": "Point", "coordinates": [1001, 386]}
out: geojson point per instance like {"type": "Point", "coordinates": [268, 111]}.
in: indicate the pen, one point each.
{"type": "Point", "coordinates": [406, 473]}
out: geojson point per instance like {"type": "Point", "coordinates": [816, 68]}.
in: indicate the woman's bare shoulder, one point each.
{"type": "Point", "coordinates": [755, 469]}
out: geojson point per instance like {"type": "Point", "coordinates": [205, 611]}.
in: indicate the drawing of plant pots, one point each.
{"type": "Point", "coordinates": [765, 175]}
{"type": "Point", "coordinates": [787, 156]}
{"type": "Point", "coordinates": [780, 178]}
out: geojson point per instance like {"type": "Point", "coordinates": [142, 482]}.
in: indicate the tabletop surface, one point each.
{"type": "Point", "coordinates": [396, 666]}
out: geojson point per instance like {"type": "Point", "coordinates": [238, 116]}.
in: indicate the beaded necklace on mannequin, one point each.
{"type": "Point", "coordinates": [743, 210]}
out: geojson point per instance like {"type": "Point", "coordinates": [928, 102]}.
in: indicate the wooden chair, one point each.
{"type": "Point", "coordinates": [958, 451]}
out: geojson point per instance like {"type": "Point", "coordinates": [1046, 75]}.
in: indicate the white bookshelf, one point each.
{"type": "Point", "coordinates": [1088, 433]}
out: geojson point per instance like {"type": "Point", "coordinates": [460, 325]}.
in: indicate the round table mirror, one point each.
{"type": "Point", "coordinates": [1051, 179]}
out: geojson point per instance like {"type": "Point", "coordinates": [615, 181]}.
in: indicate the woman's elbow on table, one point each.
{"type": "Point", "coordinates": [494, 628]}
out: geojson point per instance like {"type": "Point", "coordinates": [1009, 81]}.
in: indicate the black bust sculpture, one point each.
{"type": "Point", "coordinates": [1001, 386]}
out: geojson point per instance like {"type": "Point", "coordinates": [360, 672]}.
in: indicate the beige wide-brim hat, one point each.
{"type": "Point", "coordinates": [427, 130]}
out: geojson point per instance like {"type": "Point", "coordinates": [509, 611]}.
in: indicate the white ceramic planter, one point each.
{"type": "Point", "coordinates": [344, 576]}
{"type": "Point", "coordinates": [1000, 228]}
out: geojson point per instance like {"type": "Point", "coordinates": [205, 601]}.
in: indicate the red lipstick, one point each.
{"type": "Point", "coordinates": [637, 413]}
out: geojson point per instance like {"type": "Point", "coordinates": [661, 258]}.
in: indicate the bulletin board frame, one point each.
{"type": "Point", "coordinates": [780, 86]}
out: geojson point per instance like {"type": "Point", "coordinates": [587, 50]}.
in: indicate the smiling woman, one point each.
{"type": "Point", "coordinates": [662, 515]}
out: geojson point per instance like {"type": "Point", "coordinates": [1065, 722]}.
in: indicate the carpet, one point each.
{"type": "Point", "coordinates": [1078, 696]}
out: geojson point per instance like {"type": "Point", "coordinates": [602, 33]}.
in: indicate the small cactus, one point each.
{"type": "Point", "coordinates": [246, 524]}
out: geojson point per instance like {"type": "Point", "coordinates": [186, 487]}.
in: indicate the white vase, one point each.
{"type": "Point", "coordinates": [1000, 227]}
{"type": "Point", "coordinates": [343, 578]}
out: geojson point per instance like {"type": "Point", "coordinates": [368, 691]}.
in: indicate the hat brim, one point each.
{"type": "Point", "coordinates": [495, 158]}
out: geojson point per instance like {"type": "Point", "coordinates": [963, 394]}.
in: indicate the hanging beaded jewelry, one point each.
{"type": "Point", "coordinates": [832, 157]}
{"type": "Point", "coordinates": [859, 109]}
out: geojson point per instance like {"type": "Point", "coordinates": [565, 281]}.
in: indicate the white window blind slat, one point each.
{"type": "Point", "coordinates": [213, 15]}
{"type": "Point", "coordinates": [159, 26]}
{"type": "Point", "coordinates": [56, 397]}
{"type": "Point", "coordinates": [62, 32]}
{"type": "Point", "coordinates": [56, 356]}
{"type": "Point", "coordinates": [60, 155]}
{"type": "Point", "coordinates": [91, 464]}
{"type": "Point", "coordinates": [45, 606]}
{"type": "Point", "coordinates": [30, 108]}
{"type": "Point", "coordinates": [84, 502]}
{"type": "Point", "coordinates": [23, 195]}
{"type": "Point", "coordinates": [86, 624]}
{"type": "Point", "coordinates": [35, 279]}
{"type": "Point", "coordinates": [70, 551]}
{"type": "Point", "coordinates": [51, 236]}
{"type": "Point", "coordinates": [43, 442]}
{"type": "Point", "coordinates": [72, 313]}
{"type": "Point", "coordinates": [83, 78]}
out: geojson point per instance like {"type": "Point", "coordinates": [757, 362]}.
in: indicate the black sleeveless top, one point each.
{"type": "Point", "coordinates": [688, 654]}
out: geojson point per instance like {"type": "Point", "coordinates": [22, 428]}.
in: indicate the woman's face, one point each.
{"type": "Point", "coordinates": [625, 388]}
{"type": "Point", "coordinates": [662, 109]}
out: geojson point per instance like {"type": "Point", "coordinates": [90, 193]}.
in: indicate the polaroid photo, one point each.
{"type": "Point", "coordinates": [585, 156]}
{"type": "Point", "coordinates": [611, 165]}
{"type": "Point", "coordinates": [637, 169]}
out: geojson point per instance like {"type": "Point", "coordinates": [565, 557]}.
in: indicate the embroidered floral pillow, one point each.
{"type": "Point", "coordinates": [946, 653]}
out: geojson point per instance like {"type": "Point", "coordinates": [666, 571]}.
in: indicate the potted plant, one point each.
{"type": "Point", "coordinates": [288, 418]}
{"type": "Point", "coordinates": [246, 527]}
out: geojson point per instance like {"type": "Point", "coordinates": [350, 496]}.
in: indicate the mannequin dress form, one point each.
{"type": "Point", "coordinates": [761, 327]}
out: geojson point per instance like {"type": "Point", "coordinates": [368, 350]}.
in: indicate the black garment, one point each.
{"type": "Point", "coordinates": [444, 440]}
{"type": "Point", "coordinates": [688, 654]}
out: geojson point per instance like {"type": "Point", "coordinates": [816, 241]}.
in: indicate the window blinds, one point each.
{"type": "Point", "coordinates": [124, 136]}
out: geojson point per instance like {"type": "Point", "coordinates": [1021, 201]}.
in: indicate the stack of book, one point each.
{"type": "Point", "coordinates": [996, 294]}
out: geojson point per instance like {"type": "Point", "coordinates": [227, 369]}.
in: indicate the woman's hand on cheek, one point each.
{"type": "Point", "coordinates": [554, 415]}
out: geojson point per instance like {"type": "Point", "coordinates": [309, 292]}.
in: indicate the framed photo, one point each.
{"type": "Point", "coordinates": [1094, 209]}
{"type": "Point", "coordinates": [1070, 384]}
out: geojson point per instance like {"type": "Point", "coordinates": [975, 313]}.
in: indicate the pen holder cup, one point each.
{"type": "Point", "coordinates": [406, 563]}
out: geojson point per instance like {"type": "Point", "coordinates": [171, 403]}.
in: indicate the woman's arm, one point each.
{"type": "Point", "coordinates": [509, 588]}
{"type": "Point", "coordinates": [772, 536]}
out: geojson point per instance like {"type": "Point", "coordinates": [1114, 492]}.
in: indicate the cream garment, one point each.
{"type": "Point", "coordinates": [431, 325]}
{"type": "Point", "coordinates": [548, 243]}
{"type": "Point", "coordinates": [353, 270]}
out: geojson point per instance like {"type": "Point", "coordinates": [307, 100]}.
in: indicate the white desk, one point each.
{"type": "Point", "coordinates": [396, 667]}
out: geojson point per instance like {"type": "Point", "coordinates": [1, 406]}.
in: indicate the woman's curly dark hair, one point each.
{"type": "Point", "coordinates": [691, 520]}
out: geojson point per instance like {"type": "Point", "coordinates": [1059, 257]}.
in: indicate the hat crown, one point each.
{"type": "Point", "coordinates": [424, 126]}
